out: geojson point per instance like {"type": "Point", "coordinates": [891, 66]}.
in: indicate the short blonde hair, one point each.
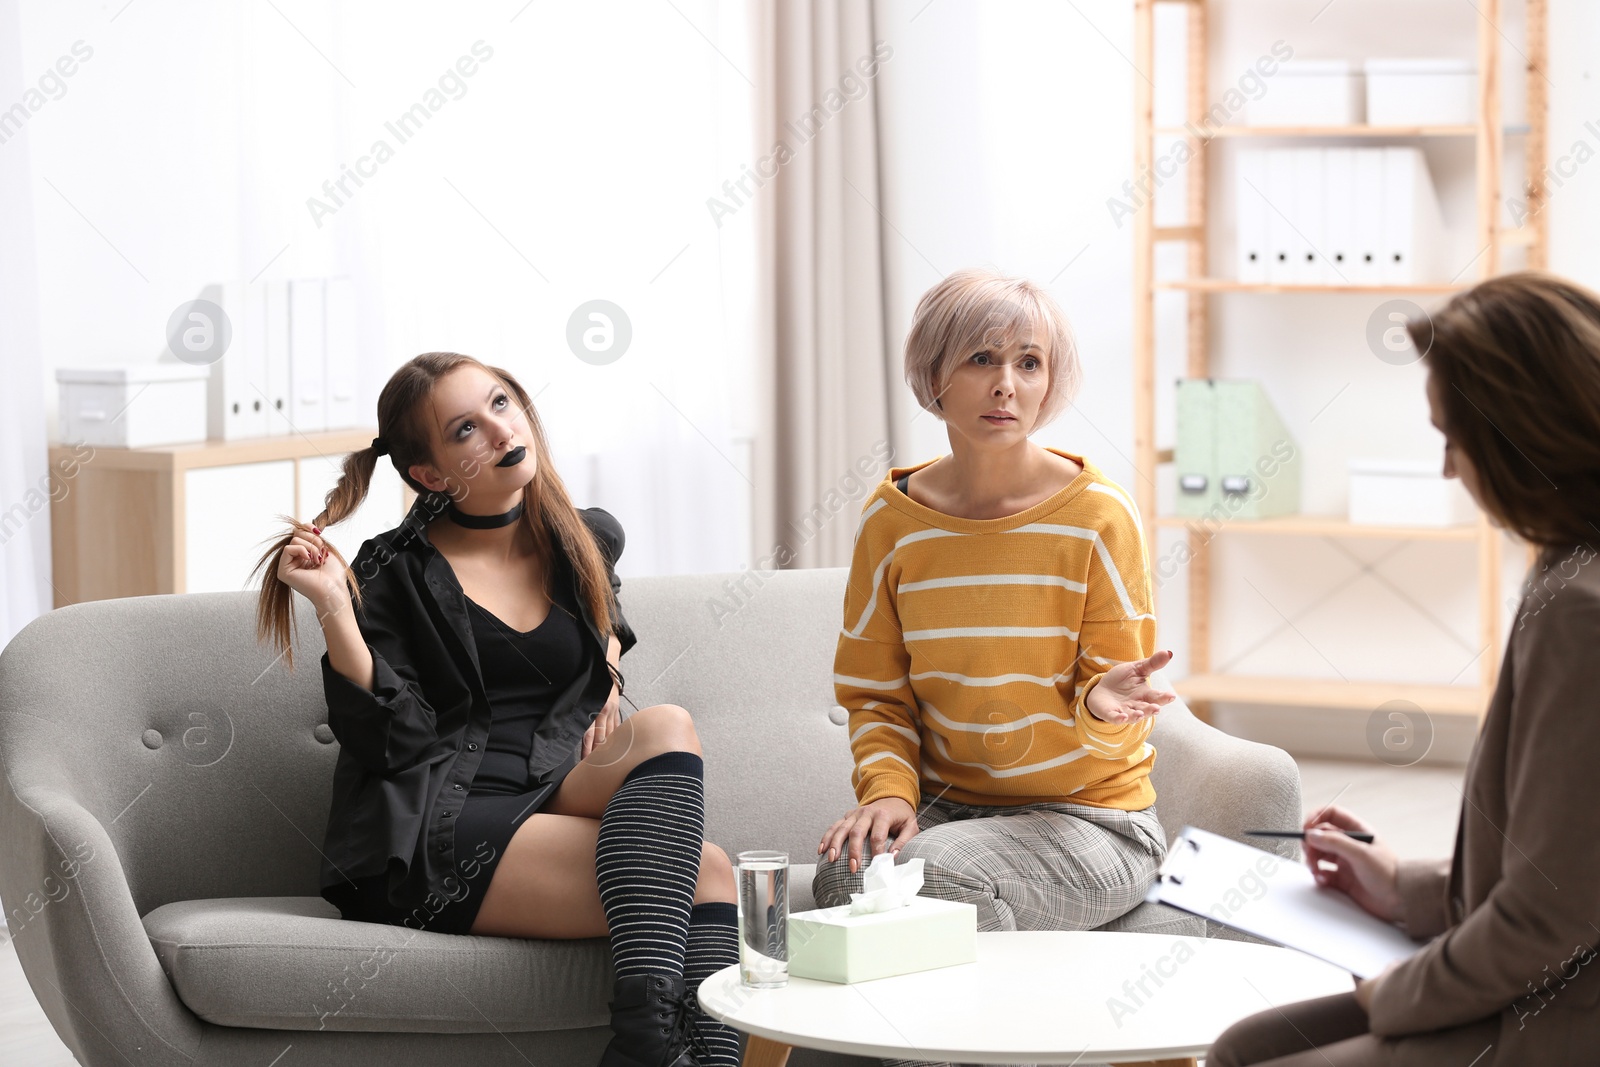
{"type": "Point", "coordinates": [977, 308]}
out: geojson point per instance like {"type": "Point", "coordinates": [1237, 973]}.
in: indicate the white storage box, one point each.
{"type": "Point", "coordinates": [133, 406]}
{"type": "Point", "coordinates": [1421, 92]}
{"type": "Point", "coordinates": [1406, 493]}
{"type": "Point", "coordinates": [1310, 92]}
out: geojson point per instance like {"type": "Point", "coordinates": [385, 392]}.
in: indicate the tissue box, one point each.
{"type": "Point", "coordinates": [831, 945]}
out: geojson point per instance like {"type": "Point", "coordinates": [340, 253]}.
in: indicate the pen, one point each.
{"type": "Point", "coordinates": [1300, 835]}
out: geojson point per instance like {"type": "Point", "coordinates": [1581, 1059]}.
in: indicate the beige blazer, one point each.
{"type": "Point", "coordinates": [1514, 917]}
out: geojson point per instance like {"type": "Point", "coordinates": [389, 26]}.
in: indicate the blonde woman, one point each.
{"type": "Point", "coordinates": [1512, 921]}
{"type": "Point", "coordinates": [486, 781]}
{"type": "Point", "coordinates": [997, 640]}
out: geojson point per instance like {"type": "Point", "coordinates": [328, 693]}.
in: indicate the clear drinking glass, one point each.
{"type": "Point", "coordinates": [764, 919]}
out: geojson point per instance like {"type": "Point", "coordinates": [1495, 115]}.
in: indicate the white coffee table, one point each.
{"type": "Point", "coordinates": [1047, 997]}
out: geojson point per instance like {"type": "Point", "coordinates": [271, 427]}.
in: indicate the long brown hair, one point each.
{"type": "Point", "coordinates": [402, 424]}
{"type": "Point", "coordinates": [1518, 363]}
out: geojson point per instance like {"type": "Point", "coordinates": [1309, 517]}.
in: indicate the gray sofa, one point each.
{"type": "Point", "coordinates": [166, 787]}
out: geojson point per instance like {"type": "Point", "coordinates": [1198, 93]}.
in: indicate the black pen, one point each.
{"type": "Point", "coordinates": [1359, 835]}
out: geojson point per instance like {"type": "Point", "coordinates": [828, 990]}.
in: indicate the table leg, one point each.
{"type": "Point", "coordinates": [760, 1052]}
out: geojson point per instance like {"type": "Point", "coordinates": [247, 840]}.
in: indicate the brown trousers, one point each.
{"type": "Point", "coordinates": [1332, 1032]}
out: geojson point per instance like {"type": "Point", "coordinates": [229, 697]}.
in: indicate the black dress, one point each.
{"type": "Point", "coordinates": [523, 673]}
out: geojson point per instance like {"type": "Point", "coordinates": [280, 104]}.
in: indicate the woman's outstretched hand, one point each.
{"type": "Point", "coordinates": [883, 818]}
{"type": "Point", "coordinates": [1367, 874]}
{"type": "Point", "coordinates": [1125, 694]}
{"type": "Point", "coordinates": [310, 568]}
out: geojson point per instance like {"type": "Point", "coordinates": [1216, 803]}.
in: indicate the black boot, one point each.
{"type": "Point", "coordinates": [650, 1018]}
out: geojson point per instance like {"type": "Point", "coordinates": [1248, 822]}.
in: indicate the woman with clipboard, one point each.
{"type": "Point", "coordinates": [1514, 917]}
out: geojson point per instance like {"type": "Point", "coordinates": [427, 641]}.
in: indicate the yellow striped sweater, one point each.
{"type": "Point", "coordinates": [968, 647]}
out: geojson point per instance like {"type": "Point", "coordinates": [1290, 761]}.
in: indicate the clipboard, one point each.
{"type": "Point", "coordinates": [1278, 900]}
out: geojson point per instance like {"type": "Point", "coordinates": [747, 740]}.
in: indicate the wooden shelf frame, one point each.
{"type": "Point", "coordinates": [1326, 131]}
{"type": "Point", "coordinates": [1488, 133]}
{"type": "Point", "coordinates": [1330, 693]}
{"type": "Point", "coordinates": [119, 529]}
{"type": "Point", "coordinates": [1327, 526]}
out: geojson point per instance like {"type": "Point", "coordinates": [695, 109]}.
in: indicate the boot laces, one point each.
{"type": "Point", "coordinates": [685, 1035]}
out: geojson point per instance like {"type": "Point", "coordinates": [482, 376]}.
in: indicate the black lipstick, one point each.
{"type": "Point", "coordinates": [513, 457]}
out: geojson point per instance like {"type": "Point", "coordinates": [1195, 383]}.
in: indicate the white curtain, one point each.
{"type": "Point", "coordinates": [25, 485]}
{"type": "Point", "coordinates": [825, 363]}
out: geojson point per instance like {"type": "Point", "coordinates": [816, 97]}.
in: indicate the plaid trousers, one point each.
{"type": "Point", "coordinates": [1050, 866]}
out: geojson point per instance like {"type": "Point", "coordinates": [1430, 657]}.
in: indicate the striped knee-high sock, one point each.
{"type": "Point", "coordinates": [647, 861]}
{"type": "Point", "coordinates": [713, 945]}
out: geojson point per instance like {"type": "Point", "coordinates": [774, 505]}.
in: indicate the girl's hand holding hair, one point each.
{"type": "Point", "coordinates": [313, 569]}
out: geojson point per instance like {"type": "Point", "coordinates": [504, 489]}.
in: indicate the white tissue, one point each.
{"type": "Point", "coordinates": [887, 886]}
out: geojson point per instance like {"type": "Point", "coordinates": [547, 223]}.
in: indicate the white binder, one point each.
{"type": "Point", "coordinates": [1310, 217]}
{"type": "Point", "coordinates": [307, 378]}
{"type": "Point", "coordinates": [274, 300]}
{"type": "Point", "coordinates": [1282, 243]}
{"type": "Point", "coordinates": [236, 402]}
{"type": "Point", "coordinates": [1411, 221]}
{"type": "Point", "coordinates": [1252, 210]}
{"type": "Point", "coordinates": [276, 346]}
{"type": "Point", "coordinates": [1338, 187]}
{"type": "Point", "coordinates": [1368, 215]}
{"type": "Point", "coordinates": [343, 366]}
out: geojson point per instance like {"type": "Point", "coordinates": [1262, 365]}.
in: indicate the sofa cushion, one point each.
{"type": "Point", "coordinates": [290, 963]}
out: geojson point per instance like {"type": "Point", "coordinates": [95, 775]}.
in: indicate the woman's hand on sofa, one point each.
{"type": "Point", "coordinates": [1124, 693]}
{"type": "Point", "coordinates": [875, 822]}
{"type": "Point", "coordinates": [608, 720]}
{"type": "Point", "coordinates": [1367, 874]}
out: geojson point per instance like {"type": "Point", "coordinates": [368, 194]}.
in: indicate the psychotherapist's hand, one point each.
{"type": "Point", "coordinates": [1368, 874]}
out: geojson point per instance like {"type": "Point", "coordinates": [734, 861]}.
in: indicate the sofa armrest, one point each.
{"type": "Point", "coordinates": [1225, 784]}
{"type": "Point", "coordinates": [79, 938]}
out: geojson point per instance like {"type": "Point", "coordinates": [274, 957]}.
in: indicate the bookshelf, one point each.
{"type": "Point", "coordinates": [1205, 684]}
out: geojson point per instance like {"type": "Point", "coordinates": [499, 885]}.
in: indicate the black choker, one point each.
{"type": "Point", "coordinates": [482, 522]}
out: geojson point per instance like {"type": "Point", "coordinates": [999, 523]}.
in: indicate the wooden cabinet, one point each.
{"type": "Point", "coordinates": [195, 518]}
{"type": "Point", "coordinates": [1204, 140]}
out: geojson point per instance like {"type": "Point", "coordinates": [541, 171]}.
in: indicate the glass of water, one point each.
{"type": "Point", "coordinates": [764, 919]}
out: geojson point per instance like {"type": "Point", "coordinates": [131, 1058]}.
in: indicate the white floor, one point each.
{"type": "Point", "coordinates": [1413, 808]}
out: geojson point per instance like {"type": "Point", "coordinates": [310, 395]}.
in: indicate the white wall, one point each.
{"type": "Point", "coordinates": [572, 164]}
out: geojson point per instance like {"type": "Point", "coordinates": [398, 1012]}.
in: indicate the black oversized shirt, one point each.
{"type": "Point", "coordinates": [408, 750]}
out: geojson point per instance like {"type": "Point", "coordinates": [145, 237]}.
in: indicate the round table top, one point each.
{"type": "Point", "coordinates": [1071, 996]}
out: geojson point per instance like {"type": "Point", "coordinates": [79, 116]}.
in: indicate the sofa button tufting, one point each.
{"type": "Point", "coordinates": [838, 715]}
{"type": "Point", "coordinates": [152, 739]}
{"type": "Point", "coordinates": [472, 746]}
{"type": "Point", "coordinates": [323, 733]}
